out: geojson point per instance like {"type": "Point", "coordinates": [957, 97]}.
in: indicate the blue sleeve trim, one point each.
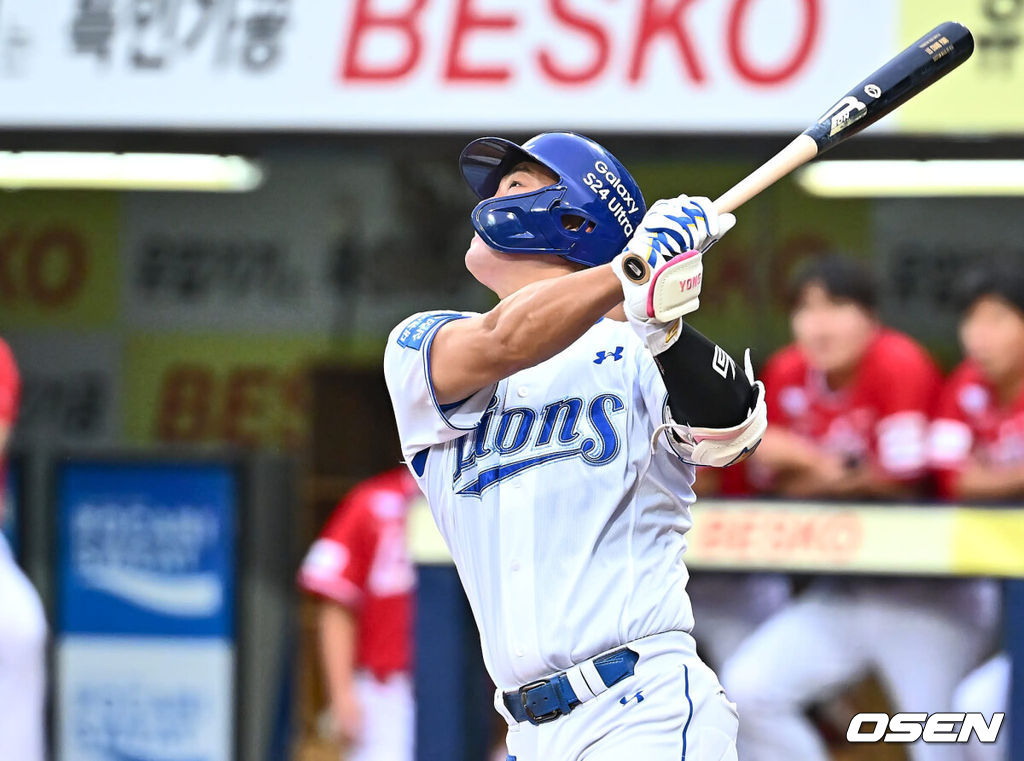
{"type": "Point", "coordinates": [428, 341]}
{"type": "Point", "coordinates": [453, 405]}
{"type": "Point", "coordinates": [686, 689]}
{"type": "Point", "coordinates": [419, 462]}
{"type": "Point", "coordinates": [418, 329]}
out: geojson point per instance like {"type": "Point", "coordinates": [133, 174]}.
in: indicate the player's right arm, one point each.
{"type": "Point", "coordinates": [533, 324]}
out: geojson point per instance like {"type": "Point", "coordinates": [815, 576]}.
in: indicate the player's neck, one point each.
{"type": "Point", "coordinates": [527, 273]}
{"type": "Point", "coordinates": [837, 380]}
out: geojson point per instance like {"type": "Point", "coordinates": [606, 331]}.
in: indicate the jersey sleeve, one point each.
{"type": "Point", "coordinates": [10, 386]}
{"type": "Point", "coordinates": [338, 564]}
{"type": "Point", "coordinates": [950, 438]}
{"type": "Point", "coordinates": [654, 396]}
{"type": "Point", "coordinates": [422, 421]}
{"type": "Point", "coordinates": [905, 392]}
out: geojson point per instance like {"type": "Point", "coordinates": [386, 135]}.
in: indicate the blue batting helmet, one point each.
{"type": "Point", "coordinates": [587, 216]}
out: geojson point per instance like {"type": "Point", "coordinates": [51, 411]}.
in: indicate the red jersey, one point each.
{"type": "Point", "coordinates": [970, 422]}
{"type": "Point", "coordinates": [880, 418]}
{"type": "Point", "coordinates": [10, 397]}
{"type": "Point", "coordinates": [360, 560]}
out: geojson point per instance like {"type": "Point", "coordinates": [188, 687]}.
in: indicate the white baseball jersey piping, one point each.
{"type": "Point", "coordinates": [566, 529]}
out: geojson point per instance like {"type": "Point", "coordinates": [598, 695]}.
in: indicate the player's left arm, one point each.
{"type": "Point", "coordinates": [715, 412]}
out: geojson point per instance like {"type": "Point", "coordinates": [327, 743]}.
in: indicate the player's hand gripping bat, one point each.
{"type": "Point", "coordinates": [922, 64]}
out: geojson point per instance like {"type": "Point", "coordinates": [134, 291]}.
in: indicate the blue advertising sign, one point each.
{"type": "Point", "coordinates": [145, 612]}
{"type": "Point", "coordinates": [146, 549]}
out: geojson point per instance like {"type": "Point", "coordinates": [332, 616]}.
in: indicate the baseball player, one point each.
{"type": "Point", "coordinates": [556, 447]}
{"type": "Point", "coordinates": [977, 437]}
{"type": "Point", "coordinates": [360, 569]}
{"type": "Point", "coordinates": [848, 419]}
{"type": "Point", "coordinates": [728, 607]}
{"type": "Point", "coordinates": [22, 623]}
{"type": "Point", "coordinates": [977, 444]}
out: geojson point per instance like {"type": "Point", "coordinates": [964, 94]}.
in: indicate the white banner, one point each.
{"type": "Point", "coordinates": [70, 388]}
{"type": "Point", "coordinates": [415, 65]}
{"type": "Point", "coordinates": [313, 251]}
{"type": "Point", "coordinates": [160, 700]}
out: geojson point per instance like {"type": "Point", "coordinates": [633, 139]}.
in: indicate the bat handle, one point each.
{"type": "Point", "coordinates": [799, 152]}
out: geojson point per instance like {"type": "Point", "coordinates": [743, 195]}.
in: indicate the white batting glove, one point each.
{"type": "Point", "coordinates": [673, 226]}
{"type": "Point", "coordinates": [661, 268]}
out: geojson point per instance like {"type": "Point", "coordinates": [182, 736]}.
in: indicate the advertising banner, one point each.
{"type": "Point", "coordinates": [70, 387]}
{"type": "Point", "coordinates": [58, 259]}
{"type": "Point", "coordinates": [146, 611]}
{"type": "Point", "coordinates": [416, 65]}
{"type": "Point", "coordinates": [983, 95]}
{"type": "Point", "coordinates": [762, 535]}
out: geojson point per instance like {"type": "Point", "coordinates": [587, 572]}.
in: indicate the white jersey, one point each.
{"type": "Point", "coordinates": [567, 532]}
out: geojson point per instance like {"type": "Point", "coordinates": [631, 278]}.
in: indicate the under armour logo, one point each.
{"type": "Point", "coordinates": [615, 356]}
{"type": "Point", "coordinates": [639, 698]}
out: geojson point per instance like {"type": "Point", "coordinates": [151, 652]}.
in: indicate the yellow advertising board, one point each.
{"type": "Point", "coordinates": [901, 540]}
{"type": "Point", "coordinates": [243, 390]}
{"type": "Point", "coordinates": [983, 95]}
{"type": "Point", "coordinates": [58, 259]}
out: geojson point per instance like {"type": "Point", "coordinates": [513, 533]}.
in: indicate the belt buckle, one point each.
{"type": "Point", "coordinates": [543, 718]}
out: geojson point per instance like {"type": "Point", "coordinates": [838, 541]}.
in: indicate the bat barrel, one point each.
{"type": "Point", "coordinates": [933, 56]}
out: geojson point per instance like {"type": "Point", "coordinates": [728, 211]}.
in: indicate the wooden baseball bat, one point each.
{"type": "Point", "coordinates": [922, 64]}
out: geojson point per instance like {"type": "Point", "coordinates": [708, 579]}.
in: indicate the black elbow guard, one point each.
{"type": "Point", "coordinates": [705, 387]}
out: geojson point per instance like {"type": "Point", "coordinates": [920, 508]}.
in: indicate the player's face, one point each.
{"type": "Point", "coordinates": [992, 334]}
{"type": "Point", "coordinates": [492, 268]}
{"type": "Point", "coordinates": [833, 333]}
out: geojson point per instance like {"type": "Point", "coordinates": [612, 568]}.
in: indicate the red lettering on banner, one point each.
{"type": "Point", "coordinates": [657, 19]}
{"type": "Point", "coordinates": [468, 20]}
{"type": "Point", "coordinates": [784, 71]}
{"type": "Point", "coordinates": [252, 405]}
{"type": "Point", "coordinates": [366, 21]}
{"type": "Point", "coordinates": [295, 392]}
{"type": "Point", "coordinates": [602, 47]}
{"type": "Point", "coordinates": [55, 266]}
{"type": "Point", "coordinates": [9, 243]}
{"type": "Point", "coordinates": [763, 536]}
{"type": "Point", "coordinates": [185, 403]}
{"type": "Point", "coordinates": [245, 405]}
{"type": "Point", "coordinates": [47, 268]}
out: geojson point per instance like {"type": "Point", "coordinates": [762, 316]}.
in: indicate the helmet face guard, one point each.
{"type": "Point", "coordinates": [532, 223]}
{"type": "Point", "coordinates": [587, 216]}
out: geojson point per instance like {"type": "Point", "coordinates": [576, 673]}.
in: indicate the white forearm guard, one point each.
{"type": "Point", "coordinates": [717, 447]}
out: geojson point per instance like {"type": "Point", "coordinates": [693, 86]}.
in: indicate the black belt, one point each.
{"type": "Point", "coordinates": [545, 700]}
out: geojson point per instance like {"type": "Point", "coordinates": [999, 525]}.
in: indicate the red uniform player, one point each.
{"type": "Point", "coordinates": [977, 443]}
{"type": "Point", "coordinates": [848, 418]}
{"type": "Point", "coordinates": [873, 425]}
{"type": "Point", "coordinates": [360, 567]}
{"type": "Point", "coordinates": [975, 425]}
{"type": "Point", "coordinates": [22, 623]}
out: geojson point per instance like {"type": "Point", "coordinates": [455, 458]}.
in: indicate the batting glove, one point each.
{"type": "Point", "coordinates": [661, 268]}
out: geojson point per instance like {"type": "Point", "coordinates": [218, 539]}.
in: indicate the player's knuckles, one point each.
{"type": "Point", "coordinates": [676, 233]}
